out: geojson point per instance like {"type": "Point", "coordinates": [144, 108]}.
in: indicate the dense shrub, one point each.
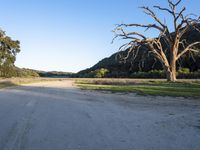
{"type": "Point", "coordinates": [150, 74]}
{"type": "Point", "coordinates": [184, 70]}
{"type": "Point", "coordinates": [25, 73]}
{"type": "Point", "coordinates": [183, 73]}
{"type": "Point", "coordinates": [99, 73]}
{"type": "Point", "coordinates": [7, 71]}
{"type": "Point", "coordinates": [17, 72]}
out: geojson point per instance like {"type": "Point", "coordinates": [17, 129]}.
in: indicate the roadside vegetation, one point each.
{"type": "Point", "coordinates": [182, 88]}
{"type": "Point", "coordinates": [182, 73]}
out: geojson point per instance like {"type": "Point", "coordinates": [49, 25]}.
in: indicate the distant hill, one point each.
{"type": "Point", "coordinates": [24, 72]}
{"type": "Point", "coordinates": [54, 74]}
{"type": "Point", "coordinates": [125, 69]}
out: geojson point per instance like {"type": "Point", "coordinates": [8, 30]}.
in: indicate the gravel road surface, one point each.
{"type": "Point", "coordinates": [57, 116]}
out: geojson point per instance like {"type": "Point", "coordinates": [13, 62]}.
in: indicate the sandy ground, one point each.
{"type": "Point", "coordinates": [57, 116]}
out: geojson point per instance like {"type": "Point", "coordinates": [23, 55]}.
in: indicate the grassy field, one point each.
{"type": "Point", "coordinates": [155, 87]}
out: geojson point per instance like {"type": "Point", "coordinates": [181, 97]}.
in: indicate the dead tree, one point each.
{"type": "Point", "coordinates": [175, 45]}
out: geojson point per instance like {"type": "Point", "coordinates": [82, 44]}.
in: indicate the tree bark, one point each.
{"type": "Point", "coordinates": [171, 71]}
{"type": "Point", "coordinates": [171, 76]}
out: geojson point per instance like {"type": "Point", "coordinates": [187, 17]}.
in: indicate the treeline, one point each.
{"type": "Point", "coordinates": [18, 72]}
{"type": "Point", "coordinates": [183, 73]}
{"type": "Point", "coordinates": [23, 72]}
{"type": "Point", "coordinates": [55, 74]}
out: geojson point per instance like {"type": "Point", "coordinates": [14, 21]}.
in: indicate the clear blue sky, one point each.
{"type": "Point", "coordinates": [70, 35]}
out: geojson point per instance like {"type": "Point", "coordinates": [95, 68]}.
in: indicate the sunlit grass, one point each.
{"type": "Point", "coordinates": [183, 88]}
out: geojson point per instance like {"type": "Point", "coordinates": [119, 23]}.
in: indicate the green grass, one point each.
{"type": "Point", "coordinates": [186, 88]}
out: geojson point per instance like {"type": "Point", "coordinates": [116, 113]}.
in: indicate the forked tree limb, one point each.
{"type": "Point", "coordinates": [189, 48]}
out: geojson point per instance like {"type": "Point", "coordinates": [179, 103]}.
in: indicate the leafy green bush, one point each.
{"type": "Point", "coordinates": [184, 71]}
{"type": "Point", "coordinates": [100, 73]}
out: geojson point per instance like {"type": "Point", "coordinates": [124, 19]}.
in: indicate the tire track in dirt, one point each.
{"type": "Point", "coordinates": [16, 137]}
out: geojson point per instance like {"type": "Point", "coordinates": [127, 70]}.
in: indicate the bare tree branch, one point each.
{"type": "Point", "coordinates": [149, 12]}
{"type": "Point", "coordinates": [142, 25]}
{"type": "Point", "coordinates": [189, 48]}
{"type": "Point", "coordinates": [180, 13]}
{"type": "Point", "coordinates": [165, 9]}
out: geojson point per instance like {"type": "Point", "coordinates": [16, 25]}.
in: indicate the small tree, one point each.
{"type": "Point", "coordinates": [101, 73]}
{"type": "Point", "coordinates": [168, 47]}
{"type": "Point", "coordinates": [8, 51]}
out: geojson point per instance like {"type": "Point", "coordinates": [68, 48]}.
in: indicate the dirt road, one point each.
{"type": "Point", "coordinates": [57, 116]}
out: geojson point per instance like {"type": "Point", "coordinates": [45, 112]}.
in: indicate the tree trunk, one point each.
{"type": "Point", "coordinates": [171, 71]}
{"type": "Point", "coordinates": [171, 76]}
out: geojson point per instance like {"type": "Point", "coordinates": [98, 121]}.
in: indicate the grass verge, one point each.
{"type": "Point", "coordinates": [183, 88]}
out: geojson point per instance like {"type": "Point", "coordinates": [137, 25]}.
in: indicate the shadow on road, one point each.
{"type": "Point", "coordinates": [4, 84]}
